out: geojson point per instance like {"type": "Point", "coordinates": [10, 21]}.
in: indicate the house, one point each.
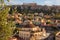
{"type": "Point", "coordinates": [29, 30]}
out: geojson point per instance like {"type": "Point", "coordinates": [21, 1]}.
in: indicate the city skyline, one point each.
{"type": "Point", "coordinates": [39, 2]}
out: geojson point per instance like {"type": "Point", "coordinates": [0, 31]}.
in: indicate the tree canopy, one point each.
{"type": "Point", "coordinates": [6, 26]}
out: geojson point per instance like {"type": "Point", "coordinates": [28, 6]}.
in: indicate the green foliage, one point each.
{"type": "Point", "coordinates": [8, 0]}
{"type": "Point", "coordinates": [6, 26]}
{"type": "Point", "coordinates": [13, 10]}
{"type": "Point", "coordinates": [3, 0]}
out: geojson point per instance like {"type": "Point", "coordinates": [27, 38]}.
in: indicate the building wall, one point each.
{"type": "Point", "coordinates": [24, 34]}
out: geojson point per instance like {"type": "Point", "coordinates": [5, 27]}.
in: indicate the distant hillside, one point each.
{"type": "Point", "coordinates": [26, 8]}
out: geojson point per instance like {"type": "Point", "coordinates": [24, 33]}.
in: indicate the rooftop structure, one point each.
{"type": "Point", "coordinates": [36, 32]}
{"type": "Point", "coordinates": [30, 4]}
{"type": "Point", "coordinates": [58, 36]}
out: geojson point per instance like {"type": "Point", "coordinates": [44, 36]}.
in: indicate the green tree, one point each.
{"type": "Point", "coordinates": [6, 26]}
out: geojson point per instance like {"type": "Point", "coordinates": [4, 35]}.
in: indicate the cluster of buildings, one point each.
{"type": "Point", "coordinates": [33, 7]}
{"type": "Point", "coordinates": [38, 19]}
{"type": "Point", "coordinates": [35, 26]}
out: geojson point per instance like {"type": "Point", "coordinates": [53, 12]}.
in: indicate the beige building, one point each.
{"type": "Point", "coordinates": [57, 36]}
{"type": "Point", "coordinates": [30, 33]}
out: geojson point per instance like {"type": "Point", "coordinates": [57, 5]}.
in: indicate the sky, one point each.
{"type": "Point", "coordinates": [39, 2]}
